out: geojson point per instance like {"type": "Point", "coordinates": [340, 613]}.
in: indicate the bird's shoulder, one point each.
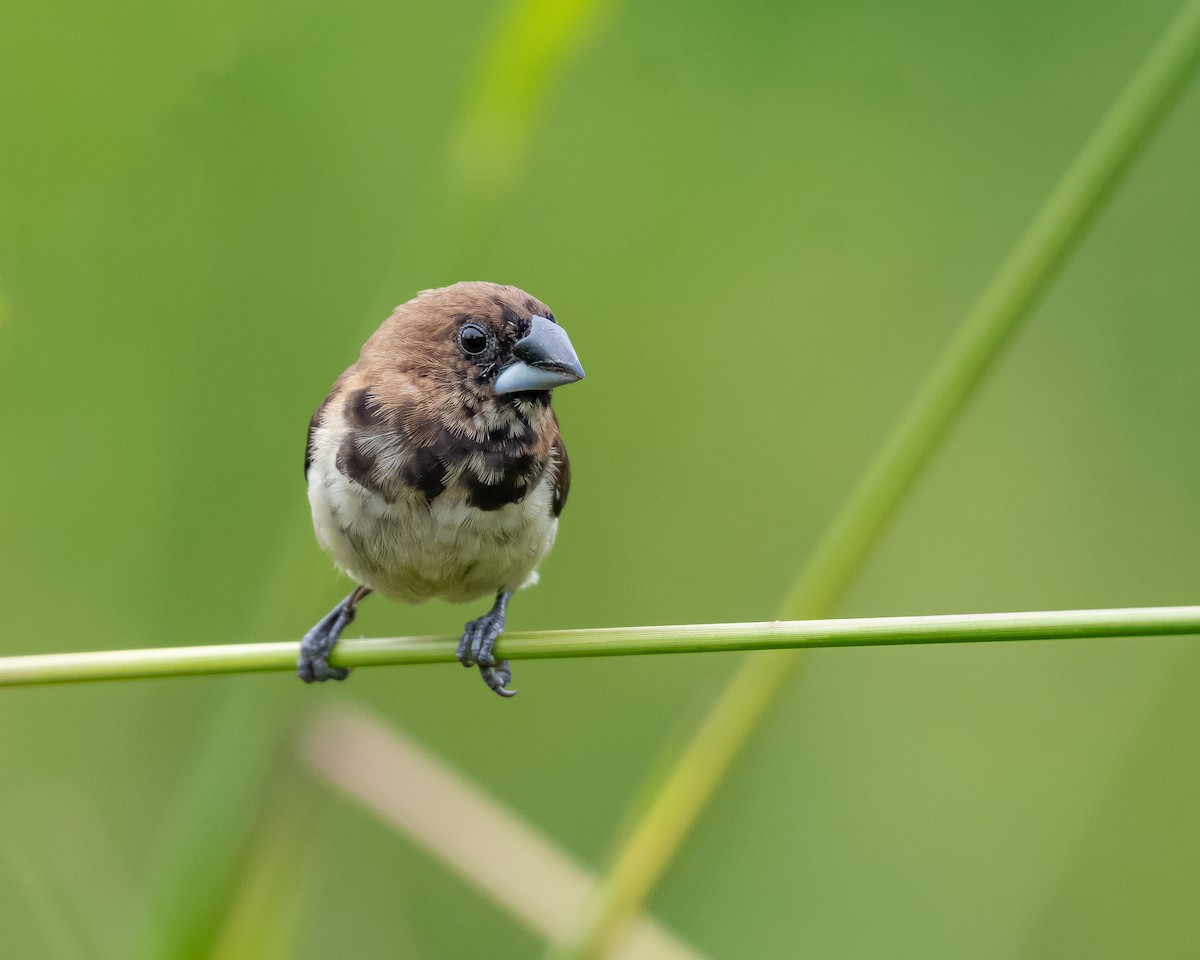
{"type": "Point", "coordinates": [320, 416]}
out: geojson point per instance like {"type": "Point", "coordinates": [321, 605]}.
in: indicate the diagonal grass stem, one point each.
{"type": "Point", "coordinates": [1008, 300]}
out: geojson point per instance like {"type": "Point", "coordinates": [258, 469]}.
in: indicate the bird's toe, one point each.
{"type": "Point", "coordinates": [478, 639]}
{"type": "Point", "coordinates": [317, 670]}
{"type": "Point", "coordinates": [313, 666]}
{"type": "Point", "coordinates": [497, 678]}
{"type": "Point", "coordinates": [468, 644]}
{"type": "Point", "coordinates": [317, 645]}
{"type": "Point", "coordinates": [483, 640]}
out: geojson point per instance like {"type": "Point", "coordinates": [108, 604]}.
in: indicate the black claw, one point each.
{"type": "Point", "coordinates": [313, 664]}
{"type": "Point", "coordinates": [497, 678]}
{"type": "Point", "coordinates": [318, 671]}
{"type": "Point", "coordinates": [478, 641]}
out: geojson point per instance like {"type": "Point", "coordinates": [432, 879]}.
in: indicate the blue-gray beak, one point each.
{"type": "Point", "coordinates": [542, 360]}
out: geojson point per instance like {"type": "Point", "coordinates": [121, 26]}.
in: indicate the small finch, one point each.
{"type": "Point", "coordinates": [435, 467]}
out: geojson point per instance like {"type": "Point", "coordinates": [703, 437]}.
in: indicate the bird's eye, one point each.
{"type": "Point", "coordinates": [472, 339]}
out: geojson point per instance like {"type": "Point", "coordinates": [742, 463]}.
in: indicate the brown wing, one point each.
{"type": "Point", "coordinates": [561, 475]}
{"type": "Point", "coordinates": [309, 449]}
{"type": "Point", "coordinates": [312, 429]}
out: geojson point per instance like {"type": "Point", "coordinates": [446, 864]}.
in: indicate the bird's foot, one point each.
{"type": "Point", "coordinates": [478, 641]}
{"type": "Point", "coordinates": [317, 645]}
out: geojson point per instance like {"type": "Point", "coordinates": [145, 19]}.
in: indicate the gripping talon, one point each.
{"type": "Point", "coordinates": [313, 664]}
{"type": "Point", "coordinates": [318, 671]}
{"type": "Point", "coordinates": [497, 678]}
{"type": "Point", "coordinates": [478, 641]}
{"type": "Point", "coordinates": [485, 658]}
{"type": "Point", "coordinates": [464, 647]}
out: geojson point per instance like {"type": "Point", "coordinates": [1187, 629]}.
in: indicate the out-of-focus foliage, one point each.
{"type": "Point", "coordinates": [759, 223]}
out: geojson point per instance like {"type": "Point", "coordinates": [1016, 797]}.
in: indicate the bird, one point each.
{"type": "Point", "coordinates": [435, 465]}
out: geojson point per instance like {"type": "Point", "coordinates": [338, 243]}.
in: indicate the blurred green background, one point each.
{"type": "Point", "coordinates": [759, 224]}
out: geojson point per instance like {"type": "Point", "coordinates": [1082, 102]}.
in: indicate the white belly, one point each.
{"type": "Point", "coordinates": [412, 550]}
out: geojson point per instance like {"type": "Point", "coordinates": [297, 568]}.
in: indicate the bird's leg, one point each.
{"type": "Point", "coordinates": [319, 642]}
{"type": "Point", "coordinates": [478, 639]}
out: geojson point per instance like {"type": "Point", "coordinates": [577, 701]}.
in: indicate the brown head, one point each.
{"type": "Point", "coordinates": [452, 393]}
{"type": "Point", "coordinates": [473, 345]}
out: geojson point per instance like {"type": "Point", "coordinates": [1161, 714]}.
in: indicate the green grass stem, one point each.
{"type": "Point", "coordinates": [611, 642]}
{"type": "Point", "coordinates": [1008, 300]}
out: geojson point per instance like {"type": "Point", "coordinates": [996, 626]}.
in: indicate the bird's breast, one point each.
{"type": "Point", "coordinates": [476, 535]}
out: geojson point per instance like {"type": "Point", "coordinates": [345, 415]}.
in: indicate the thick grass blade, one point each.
{"type": "Point", "coordinates": [1009, 299]}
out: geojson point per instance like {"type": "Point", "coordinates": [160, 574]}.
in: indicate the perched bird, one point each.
{"type": "Point", "coordinates": [435, 466]}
